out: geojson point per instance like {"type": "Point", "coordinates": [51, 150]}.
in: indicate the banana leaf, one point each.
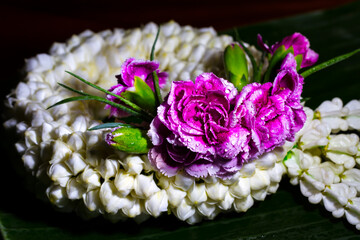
{"type": "Point", "coordinates": [284, 215]}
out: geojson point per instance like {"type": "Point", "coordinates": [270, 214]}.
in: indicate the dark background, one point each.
{"type": "Point", "coordinates": [30, 27]}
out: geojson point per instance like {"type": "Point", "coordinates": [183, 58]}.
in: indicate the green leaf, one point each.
{"type": "Point", "coordinates": [236, 66]}
{"type": "Point", "coordinates": [143, 96]}
{"type": "Point", "coordinates": [134, 106]}
{"type": "Point", "coordinates": [99, 99]}
{"type": "Point", "coordinates": [152, 53]}
{"type": "Point", "coordinates": [275, 62]}
{"type": "Point", "coordinates": [329, 63]}
{"type": "Point", "coordinates": [131, 140]}
{"type": "Point", "coordinates": [109, 125]}
{"type": "Point", "coordinates": [158, 98]}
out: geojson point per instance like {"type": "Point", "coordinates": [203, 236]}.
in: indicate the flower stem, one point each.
{"type": "Point", "coordinates": [158, 97]}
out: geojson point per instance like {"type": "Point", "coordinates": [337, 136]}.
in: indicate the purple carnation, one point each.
{"type": "Point", "coordinates": [288, 86]}
{"type": "Point", "coordinates": [129, 69]}
{"type": "Point", "coordinates": [195, 121]}
{"type": "Point", "coordinates": [272, 112]}
{"type": "Point", "coordinates": [207, 128]}
{"type": "Point", "coordinates": [300, 44]}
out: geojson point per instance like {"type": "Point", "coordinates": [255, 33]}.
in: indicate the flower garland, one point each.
{"type": "Point", "coordinates": [213, 144]}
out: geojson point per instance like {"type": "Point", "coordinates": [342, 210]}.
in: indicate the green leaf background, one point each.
{"type": "Point", "coordinates": [284, 215]}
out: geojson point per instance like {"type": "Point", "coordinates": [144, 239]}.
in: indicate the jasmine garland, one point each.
{"type": "Point", "coordinates": [80, 172]}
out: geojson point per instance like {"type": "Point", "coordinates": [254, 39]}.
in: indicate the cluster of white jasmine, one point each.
{"type": "Point", "coordinates": [326, 161]}
{"type": "Point", "coordinates": [79, 172]}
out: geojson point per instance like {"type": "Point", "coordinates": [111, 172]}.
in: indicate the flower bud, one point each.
{"type": "Point", "coordinates": [216, 191]}
{"type": "Point", "coordinates": [133, 211]}
{"type": "Point", "coordinates": [197, 193]}
{"type": "Point", "coordinates": [124, 182]}
{"type": "Point", "coordinates": [133, 164]}
{"type": "Point", "coordinates": [157, 203]}
{"type": "Point", "coordinates": [184, 210]}
{"type": "Point", "coordinates": [236, 66]}
{"type": "Point", "coordinates": [227, 202]}
{"type": "Point", "coordinates": [259, 180]}
{"type": "Point", "coordinates": [144, 186]}
{"type": "Point", "coordinates": [241, 188]}
{"type": "Point", "coordinates": [92, 200]}
{"type": "Point", "coordinates": [74, 189]}
{"type": "Point", "coordinates": [111, 200]}
{"type": "Point", "coordinates": [242, 205]}
{"type": "Point", "coordinates": [175, 195]}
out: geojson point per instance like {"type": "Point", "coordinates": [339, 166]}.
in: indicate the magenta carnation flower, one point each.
{"type": "Point", "coordinates": [193, 130]}
{"type": "Point", "coordinates": [300, 44]}
{"type": "Point", "coordinates": [288, 86]}
{"type": "Point", "coordinates": [272, 112]}
{"type": "Point", "coordinates": [208, 128]}
{"type": "Point", "coordinates": [129, 69]}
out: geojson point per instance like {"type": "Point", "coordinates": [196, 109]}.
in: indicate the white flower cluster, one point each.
{"type": "Point", "coordinates": [326, 162]}
{"type": "Point", "coordinates": [80, 172]}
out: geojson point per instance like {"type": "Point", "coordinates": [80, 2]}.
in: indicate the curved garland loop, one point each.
{"type": "Point", "coordinates": [77, 171]}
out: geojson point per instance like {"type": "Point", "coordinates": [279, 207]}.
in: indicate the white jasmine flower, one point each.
{"type": "Point", "coordinates": [266, 161]}
{"type": "Point", "coordinates": [260, 194]}
{"type": "Point", "coordinates": [111, 200]}
{"type": "Point", "coordinates": [76, 163]}
{"type": "Point", "coordinates": [243, 204]}
{"type": "Point", "coordinates": [144, 186]}
{"type": "Point", "coordinates": [134, 210]}
{"type": "Point", "coordinates": [330, 112]}
{"type": "Point", "coordinates": [184, 210]}
{"type": "Point", "coordinates": [183, 181]}
{"type": "Point", "coordinates": [59, 173]}
{"type": "Point", "coordinates": [109, 167]}
{"type": "Point", "coordinates": [197, 193]}
{"type": "Point", "coordinates": [91, 178]}
{"type": "Point", "coordinates": [259, 180]}
{"type": "Point", "coordinates": [74, 189]}
{"type": "Point", "coordinates": [353, 117]}
{"type": "Point", "coordinates": [175, 195]}
{"type": "Point", "coordinates": [133, 164]}
{"type": "Point", "coordinates": [345, 143]}
{"type": "Point", "coordinates": [316, 135]}
{"type": "Point", "coordinates": [216, 191]}
{"type": "Point", "coordinates": [241, 188]}
{"type": "Point", "coordinates": [57, 196]}
{"type": "Point", "coordinates": [351, 177]}
{"type": "Point", "coordinates": [206, 209]}
{"type": "Point", "coordinates": [92, 200]}
{"type": "Point", "coordinates": [226, 204]}
{"type": "Point", "coordinates": [195, 218]}
{"type": "Point", "coordinates": [157, 203]}
{"type": "Point", "coordinates": [124, 182]}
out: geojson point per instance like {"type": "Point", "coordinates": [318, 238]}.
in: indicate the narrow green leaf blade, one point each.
{"type": "Point", "coordinates": [73, 90]}
{"type": "Point", "coordinates": [134, 106]}
{"type": "Point", "coordinates": [152, 53]}
{"type": "Point", "coordinates": [329, 63]}
{"type": "Point", "coordinates": [96, 98]}
{"type": "Point", "coordinates": [109, 125]}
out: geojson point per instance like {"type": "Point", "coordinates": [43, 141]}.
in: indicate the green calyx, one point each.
{"type": "Point", "coordinates": [142, 96]}
{"type": "Point", "coordinates": [236, 66]}
{"type": "Point", "coordinates": [131, 140]}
